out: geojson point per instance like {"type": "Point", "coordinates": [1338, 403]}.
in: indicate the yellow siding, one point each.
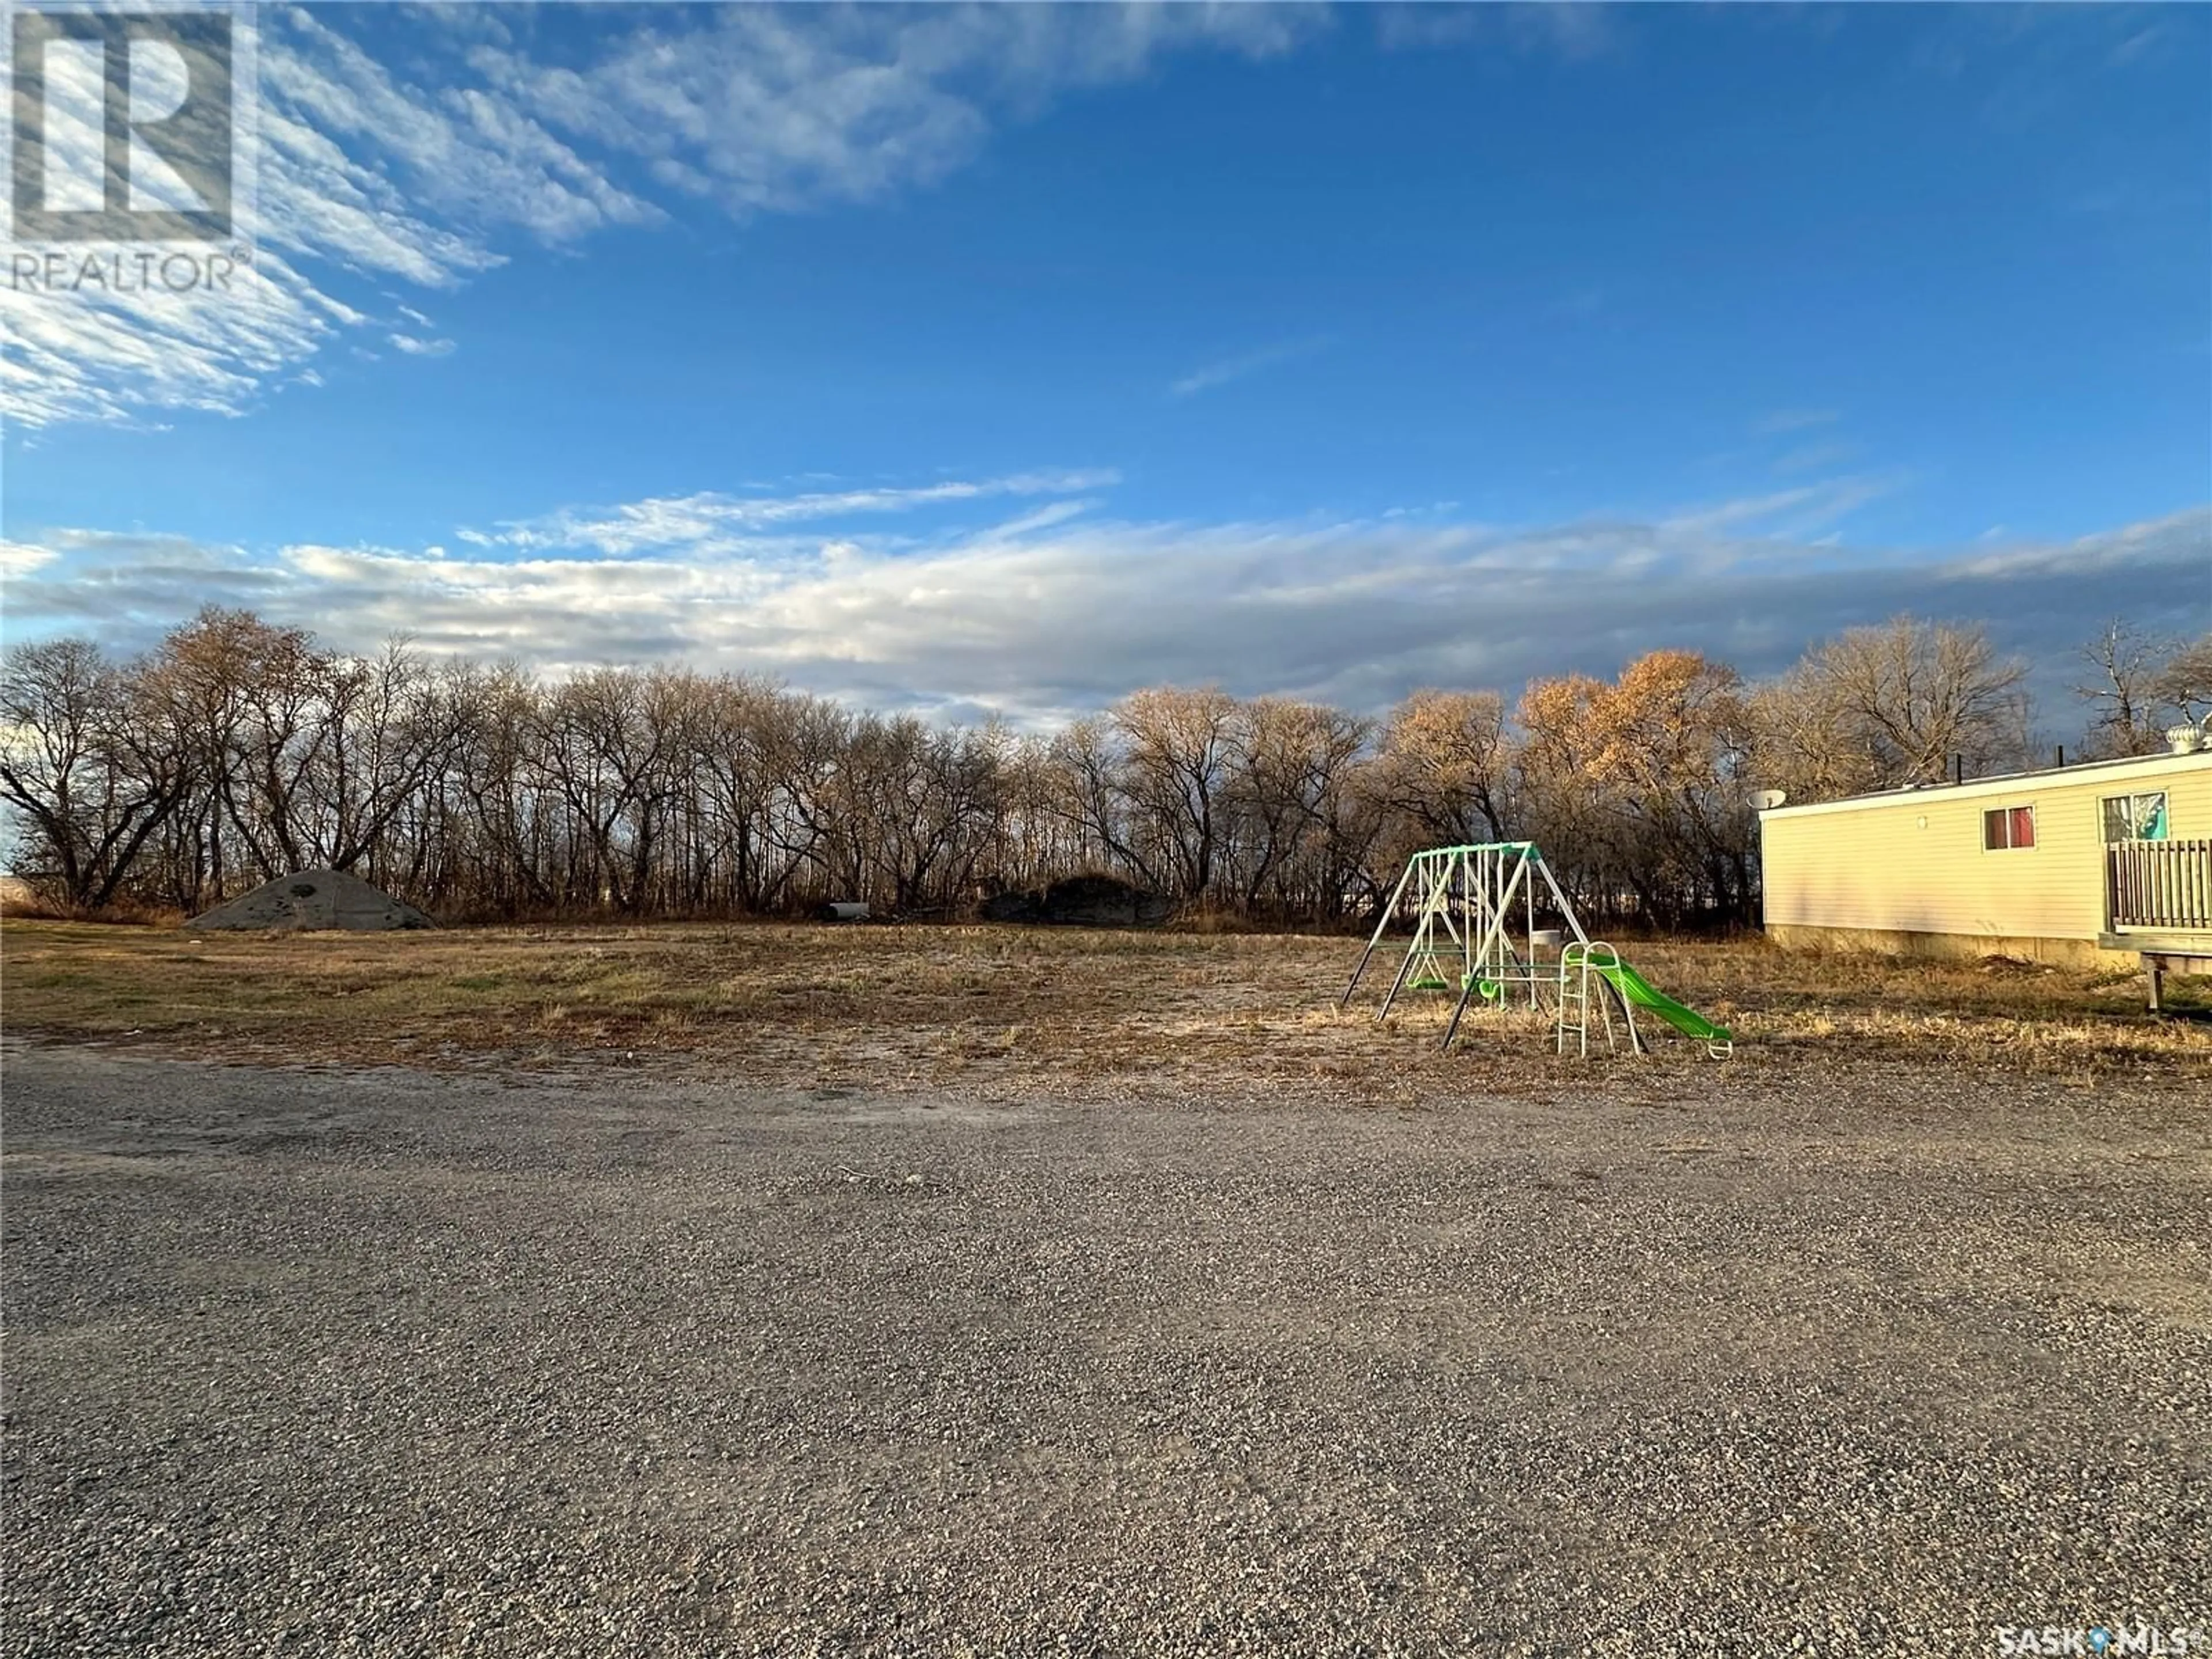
{"type": "Point", "coordinates": [1914, 863]}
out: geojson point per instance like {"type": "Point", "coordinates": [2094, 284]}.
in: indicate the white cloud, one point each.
{"type": "Point", "coordinates": [414, 346]}
{"type": "Point", "coordinates": [21, 558]}
{"type": "Point", "coordinates": [475, 165]}
{"type": "Point", "coordinates": [1221, 373]}
{"type": "Point", "coordinates": [765, 109]}
{"type": "Point", "coordinates": [711, 522]}
{"type": "Point", "coordinates": [1053, 615]}
{"type": "Point", "coordinates": [435, 173]}
{"type": "Point", "coordinates": [1792, 514]}
{"type": "Point", "coordinates": [354, 173]}
{"type": "Point", "coordinates": [1044, 518]}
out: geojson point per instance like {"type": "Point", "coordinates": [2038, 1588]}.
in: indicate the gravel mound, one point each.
{"type": "Point", "coordinates": [311, 900]}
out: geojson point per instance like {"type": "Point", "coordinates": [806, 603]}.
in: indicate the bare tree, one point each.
{"type": "Point", "coordinates": [1805, 742]}
{"type": "Point", "coordinates": [242, 689]}
{"type": "Point", "coordinates": [89, 764]}
{"type": "Point", "coordinates": [1288, 767]}
{"type": "Point", "coordinates": [1178, 747]}
{"type": "Point", "coordinates": [2122, 688]}
{"type": "Point", "coordinates": [603, 739]}
{"type": "Point", "coordinates": [1444, 765]}
{"type": "Point", "coordinates": [1912, 697]}
{"type": "Point", "coordinates": [1089, 787]}
{"type": "Point", "coordinates": [237, 750]}
{"type": "Point", "coordinates": [2183, 683]}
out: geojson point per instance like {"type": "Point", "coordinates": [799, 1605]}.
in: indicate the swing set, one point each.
{"type": "Point", "coordinates": [1474, 912]}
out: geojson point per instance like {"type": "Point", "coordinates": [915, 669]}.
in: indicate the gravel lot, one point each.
{"type": "Point", "coordinates": [381, 1362]}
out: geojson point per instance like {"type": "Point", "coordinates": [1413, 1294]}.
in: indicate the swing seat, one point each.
{"type": "Point", "coordinates": [1488, 987]}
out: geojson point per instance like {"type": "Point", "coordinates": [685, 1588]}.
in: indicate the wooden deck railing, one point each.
{"type": "Point", "coordinates": [2159, 884]}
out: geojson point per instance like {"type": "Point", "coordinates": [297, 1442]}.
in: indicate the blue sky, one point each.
{"type": "Point", "coordinates": [1006, 359]}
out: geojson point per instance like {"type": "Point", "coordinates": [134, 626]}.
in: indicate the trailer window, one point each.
{"type": "Point", "coordinates": [2004, 827]}
{"type": "Point", "coordinates": [2135, 817]}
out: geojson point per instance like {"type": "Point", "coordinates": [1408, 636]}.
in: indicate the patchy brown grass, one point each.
{"type": "Point", "coordinates": [1032, 1008]}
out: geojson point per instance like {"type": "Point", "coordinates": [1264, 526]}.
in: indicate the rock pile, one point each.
{"type": "Point", "coordinates": [313, 899]}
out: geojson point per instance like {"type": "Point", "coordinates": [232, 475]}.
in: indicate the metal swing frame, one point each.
{"type": "Point", "coordinates": [1467, 902]}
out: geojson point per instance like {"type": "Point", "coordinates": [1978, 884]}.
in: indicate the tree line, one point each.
{"type": "Point", "coordinates": [239, 750]}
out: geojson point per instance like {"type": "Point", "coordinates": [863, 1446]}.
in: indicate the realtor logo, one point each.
{"type": "Point", "coordinates": [125, 126]}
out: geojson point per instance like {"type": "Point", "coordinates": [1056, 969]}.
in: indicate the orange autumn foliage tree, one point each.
{"type": "Point", "coordinates": [1637, 789]}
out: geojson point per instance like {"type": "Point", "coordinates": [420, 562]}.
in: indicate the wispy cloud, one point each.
{"type": "Point", "coordinates": [1796, 514]}
{"type": "Point", "coordinates": [712, 522]}
{"type": "Point", "coordinates": [358, 175]}
{"type": "Point", "coordinates": [428, 172]}
{"type": "Point", "coordinates": [1573, 28]}
{"type": "Point", "coordinates": [1813, 458]}
{"type": "Point", "coordinates": [1570, 29]}
{"type": "Point", "coordinates": [2135, 46]}
{"type": "Point", "coordinates": [416, 347]}
{"type": "Point", "coordinates": [1208, 377]}
{"type": "Point", "coordinates": [1408, 26]}
{"type": "Point", "coordinates": [1042, 518]}
{"type": "Point", "coordinates": [1049, 614]}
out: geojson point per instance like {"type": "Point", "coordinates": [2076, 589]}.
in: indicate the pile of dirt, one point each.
{"type": "Point", "coordinates": [1082, 902]}
{"type": "Point", "coordinates": [313, 899]}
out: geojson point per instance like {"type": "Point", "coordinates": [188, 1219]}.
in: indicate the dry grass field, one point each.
{"type": "Point", "coordinates": [1058, 1011]}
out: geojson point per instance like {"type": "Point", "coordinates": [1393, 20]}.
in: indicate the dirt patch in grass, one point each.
{"type": "Point", "coordinates": [1030, 1008]}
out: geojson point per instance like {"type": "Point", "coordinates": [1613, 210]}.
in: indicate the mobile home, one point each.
{"type": "Point", "coordinates": [2104, 863]}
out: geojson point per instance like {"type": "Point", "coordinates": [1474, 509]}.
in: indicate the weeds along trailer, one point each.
{"type": "Point", "coordinates": [1475, 912]}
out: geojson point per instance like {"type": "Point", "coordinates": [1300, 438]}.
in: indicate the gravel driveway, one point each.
{"type": "Point", "coordinates": [332, 1363]}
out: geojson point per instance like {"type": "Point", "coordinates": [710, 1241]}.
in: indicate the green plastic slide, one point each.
{"type": "Point", "coordinates": [1632, 985]}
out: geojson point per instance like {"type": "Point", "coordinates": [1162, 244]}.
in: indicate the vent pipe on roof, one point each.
{"type": "Point", "coordinates": [2185, 739]}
